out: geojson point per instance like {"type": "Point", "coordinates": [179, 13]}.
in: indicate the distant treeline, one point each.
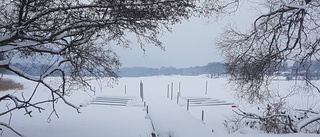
{"type": "Point", "coordinates": [300, 70]}
{"type": "Point", "coordinates": [213, 69]}
{"type": "Point", "coordinates": [297, 70]}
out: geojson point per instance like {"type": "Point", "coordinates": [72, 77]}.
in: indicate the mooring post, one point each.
{"type": "Point", "coordinates": [206, 88]}
{"type": "Point", "coordinates": [141, 90]}
{"type": "Point", "coordinates": [178, 96]}
{"type": "Point", "coordinates": [94, 91]}
{"type": "Point", "coordinates": [147, 108]}
{"type": "Point", "coordinates": [171, 90]}
{"type": "Point", "coordinates": [202, 115]}
{"type": "Point", "coordinates": [125, 89]}
{"type": "Point", "coordinates": [168, 91]}
{"type": "Point", "coordinates": [188, 104]}
{"type": "Point", "coordinates": [179, 93]}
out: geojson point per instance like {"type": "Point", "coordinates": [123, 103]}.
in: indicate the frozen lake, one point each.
{"type": "Point", "coordinates": [119, 112]}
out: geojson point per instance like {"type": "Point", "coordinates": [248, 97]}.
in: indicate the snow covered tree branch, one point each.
{"type": "Point", "coordinates": [71, 38]}
{"type": "Point", "coordinates": [270, 123]}
{"type": "Point", "coordinates": [287, 32]}
{"type": "Point", "coordinates": [277, 120]}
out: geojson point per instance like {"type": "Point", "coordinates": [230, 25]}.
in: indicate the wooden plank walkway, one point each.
{"type": "Point", "coordinates": [202, 101]}
{"type": "Point", "coordinates": [117, 101]}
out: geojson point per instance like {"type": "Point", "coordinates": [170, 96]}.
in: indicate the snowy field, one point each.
{"type": "Point", "coordinates": [119, 112]}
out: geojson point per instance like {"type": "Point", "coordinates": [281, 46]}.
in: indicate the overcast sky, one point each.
{"type": "Point", "coordinates": [191, 43]}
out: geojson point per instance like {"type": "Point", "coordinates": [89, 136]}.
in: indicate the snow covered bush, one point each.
{"type": "Point", "coordinates": [274, 118]}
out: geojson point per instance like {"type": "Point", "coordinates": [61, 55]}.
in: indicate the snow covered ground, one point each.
{"type": "Point", "coordinates": [100, 117]}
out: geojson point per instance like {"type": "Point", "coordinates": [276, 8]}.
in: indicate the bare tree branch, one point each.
{"type": "Point", "coordinates": [9, 127]}
{"type": "Point", "coordinates": [69, 39]}
{"type": "Point", "coordinates": [288, 32]}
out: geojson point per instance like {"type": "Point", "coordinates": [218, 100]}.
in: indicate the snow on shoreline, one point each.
{"type": "Point", "coordinates": [119, 121]}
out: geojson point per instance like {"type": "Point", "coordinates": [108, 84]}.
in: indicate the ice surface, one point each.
{"type": "Point", "coordinates": [131, 121]}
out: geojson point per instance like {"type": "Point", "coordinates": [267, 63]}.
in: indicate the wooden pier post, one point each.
{"type": "Point", "coordinates": [206, 88]}
{"type": "Point", "coordinates": [125, 89]}
{"type": "Point", "coordinates": [141, 91]}
{"type": "Point", "coordinates": [188, 101]}
{"type": "Point", "coordinates": [202, 115]}
{"type": "Point", "coordinates": [171, 90]}
{"type": "Point", "coordinates": [168, 90]}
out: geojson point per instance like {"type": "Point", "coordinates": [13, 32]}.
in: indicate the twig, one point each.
{"type": "Point", "coordinates": [9, 127]}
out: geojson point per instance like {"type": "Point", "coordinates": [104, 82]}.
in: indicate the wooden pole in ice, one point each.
{"type": "Point", "coordinates": [178, 97]}
{"type": "Point", "coordinates": [188, 101]}
{"type": "Point", "coordinates": [125, 89]}
{"type": "Point", "coordinates": [206, 88]}
{"type": "Point", "coordinates": [147, 109]}
{"type": "Point", "coordinates": [94, 91]}
{"type": "Point", "coordinates": [171, 90]}
{"type": "Point", "coordinates": [202, 115]}
{"type": "Point", "coordinates": [168, 90]}
{"type": "Point", "coordinates": [179, 93]}
{"type": "Point", "coordinates": [141, 90]}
